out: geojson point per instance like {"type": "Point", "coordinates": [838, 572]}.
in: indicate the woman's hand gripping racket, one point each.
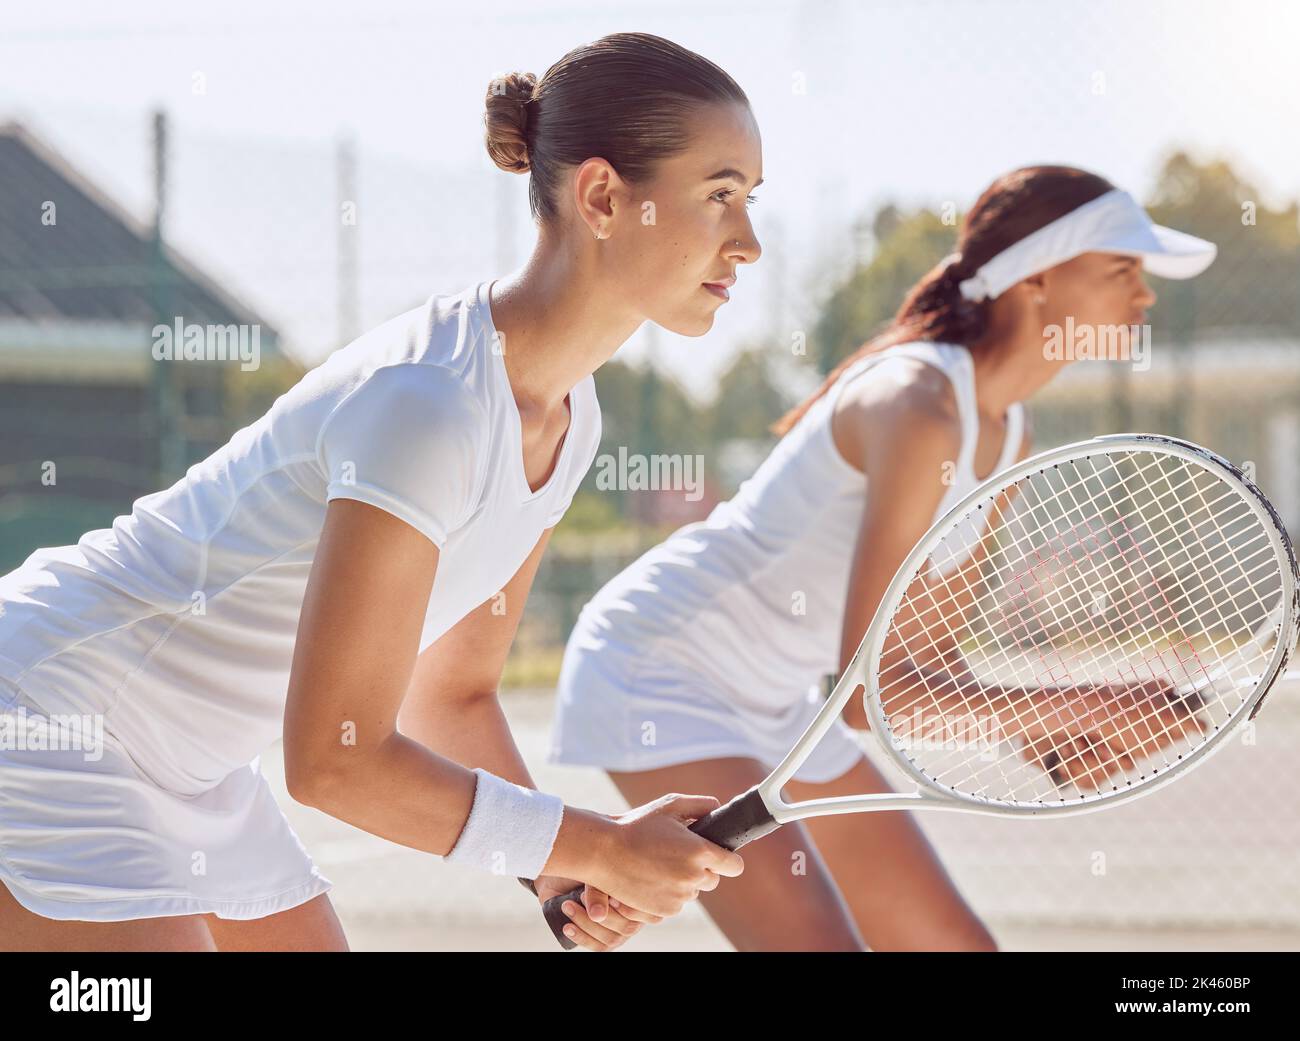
{"type": "Point", "coordinates": [1080, 630]}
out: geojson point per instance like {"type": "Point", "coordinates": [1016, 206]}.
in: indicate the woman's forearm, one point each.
{"type": "Point", "coordinates": [470, 730]}
{"type": "Point", "coordinates": [403, 792]}
{"type": "Point", "coordinates": [417, 787]}
{"type": "Point", "coordinates": [398, 790]}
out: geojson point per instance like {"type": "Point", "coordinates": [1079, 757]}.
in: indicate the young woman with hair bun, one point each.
{"type": "Point", "coordinates": [334, 575]}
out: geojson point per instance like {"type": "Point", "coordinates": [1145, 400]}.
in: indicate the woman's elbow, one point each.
{"type": "Point", "coordinates": [308, 779]}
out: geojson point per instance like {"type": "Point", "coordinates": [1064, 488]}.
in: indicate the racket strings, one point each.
{"type": "Point", "coordinates": [1026, 536]}
{"type": "Point", "coordinates": [1121, 629]}
{"type": "Point", "coordinates": [1153, 604]}
{"type": "Point", "coordinates": [1127, 600]}
{"type": "Point", "coordinates": [1182, 661]}
{"type": "Point", "coordinates": [951, 599]}
{"type": "Point", "coordinates": [1169, 611]}
{"type": "Point", "coordinates": [1133, 547]}
{"type": "Point", "coordinates": [1210, 513]}
{"type": "Point", "coordinates": [1045, 717]}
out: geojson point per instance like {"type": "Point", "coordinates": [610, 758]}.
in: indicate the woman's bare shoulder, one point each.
{"type": "Point", "coordinates": [898, 400]}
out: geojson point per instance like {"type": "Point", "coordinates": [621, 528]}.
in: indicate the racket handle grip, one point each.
{"type": "Point", "coordinates": [739, 822]}
{"type": "Point", "coordinates": [742, 820]}
{"type": "Point", "coordinates": [557, 919]}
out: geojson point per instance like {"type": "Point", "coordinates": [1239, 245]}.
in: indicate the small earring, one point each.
{"type": "Point", "coordinates": [1040, 300]}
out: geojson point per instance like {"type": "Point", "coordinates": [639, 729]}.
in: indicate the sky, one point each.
{"type": "Point", "coordinates": [917, 101]}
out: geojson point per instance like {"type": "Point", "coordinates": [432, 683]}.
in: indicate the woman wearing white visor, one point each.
{"type": "Point", "coordinates": [699, 665]}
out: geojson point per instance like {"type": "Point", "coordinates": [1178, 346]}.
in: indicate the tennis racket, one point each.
{"type": "Point", "coordinates": [1081, 629]}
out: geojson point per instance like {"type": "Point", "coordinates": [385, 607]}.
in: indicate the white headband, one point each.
{"type": "Point", "coordinates": [1111, 223]}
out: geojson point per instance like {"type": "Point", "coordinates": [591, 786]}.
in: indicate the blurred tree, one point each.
{"type": "Point", "coordinates": [592, 511]}
{"type": "Point", "coordinates": [646, 413]}
{"type": "Point", "coordinates": [249, 395]}
{"type": "Point", "coordinates": [747, 400]}
{"type": "Point", "coordinates": [1255, 280]}
{"type": "Point", "coordinates": [907, 246]}
{"type": "Point", "coordinates": [662, 420]}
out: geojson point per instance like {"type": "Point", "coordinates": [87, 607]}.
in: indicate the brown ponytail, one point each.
{"type": "Point", "coordinates": [1012, 207]}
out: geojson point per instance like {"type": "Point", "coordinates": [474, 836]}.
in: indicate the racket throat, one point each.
{"type": "Point", "coordinates": [739, 822]}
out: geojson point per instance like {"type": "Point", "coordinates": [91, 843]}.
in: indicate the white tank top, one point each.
{"type": "Point", "coordinates": [752, 598]}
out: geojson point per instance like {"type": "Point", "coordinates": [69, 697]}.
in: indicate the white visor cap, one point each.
{"type": "Point", "coordinates": [1110, 223]}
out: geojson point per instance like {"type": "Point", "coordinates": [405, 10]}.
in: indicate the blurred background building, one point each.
{"type": "Point", "coordinates": [89, 420]}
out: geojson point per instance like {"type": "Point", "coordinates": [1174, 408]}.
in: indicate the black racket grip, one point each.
{"type": "Point", "coordinates": [557, 919]}
{"type": "Point", "coordinates": [740, 821]}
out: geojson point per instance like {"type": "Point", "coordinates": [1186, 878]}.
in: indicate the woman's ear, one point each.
{"type": "Point", "coordinates": [595, 185]}
{"type": "Point", "coordinates": [1036, 288]}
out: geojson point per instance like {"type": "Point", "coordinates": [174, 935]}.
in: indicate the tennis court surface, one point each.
{"type": "Point", "coordinates": [1205, 864]}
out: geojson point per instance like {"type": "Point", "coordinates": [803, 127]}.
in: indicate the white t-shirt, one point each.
{"type": "Point", "coordinates": [178, 623]}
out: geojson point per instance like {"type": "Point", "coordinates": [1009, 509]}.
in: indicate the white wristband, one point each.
{"type": "Point", "coordinates": [511, 829]}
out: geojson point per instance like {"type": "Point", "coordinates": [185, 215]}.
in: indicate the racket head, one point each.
{"type": "Point", "coordinates": [1139, 593]}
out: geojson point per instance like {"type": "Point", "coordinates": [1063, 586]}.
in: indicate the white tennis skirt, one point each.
{"type": "Point", "coordinates": [86, 836]}
{"type": "Point", "coordinates": [627, 713]}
